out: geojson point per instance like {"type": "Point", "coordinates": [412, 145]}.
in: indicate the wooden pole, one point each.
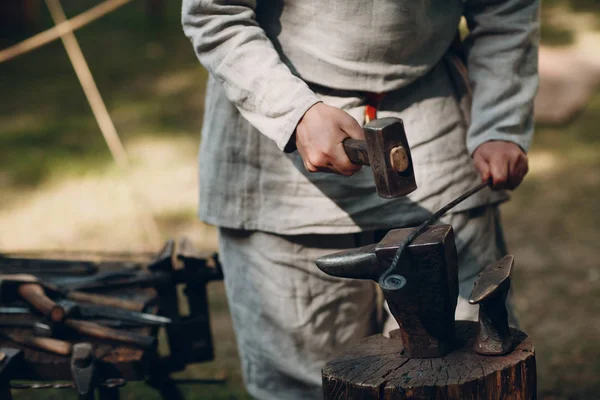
{"type": "Point", "coordinates": [101, 114]}
{"type": "Point", "coordinates": [88, 84]}
{"type": "Point", "coordinates": [58, 30]}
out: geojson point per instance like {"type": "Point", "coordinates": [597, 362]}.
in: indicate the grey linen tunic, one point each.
{"type": "Point", "coordinates": [269, 61]}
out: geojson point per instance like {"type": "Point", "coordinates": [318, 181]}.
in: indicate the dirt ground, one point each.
{"type": "Point", "coordinates": [60, 190]}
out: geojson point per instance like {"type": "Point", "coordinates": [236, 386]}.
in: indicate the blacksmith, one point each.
{"type": "Point", "coordinates": [298, 74]}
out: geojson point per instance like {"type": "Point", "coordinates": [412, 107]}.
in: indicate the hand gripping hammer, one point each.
{"type": "Point", "coordinates": [386, 150]}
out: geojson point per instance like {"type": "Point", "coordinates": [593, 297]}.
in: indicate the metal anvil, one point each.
{"type": "Point", "coordinates": [425, 303]}
{"type": "Point", "coordinates": [424, 293]}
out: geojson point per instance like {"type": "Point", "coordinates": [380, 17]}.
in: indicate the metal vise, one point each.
{"type": "Point", "coordinates": [189, 337]}
{"type": "Point", "coordinates": [424, 306]}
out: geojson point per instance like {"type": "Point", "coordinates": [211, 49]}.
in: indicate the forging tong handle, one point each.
{"type": "Point", "coordinates": [356, 150]}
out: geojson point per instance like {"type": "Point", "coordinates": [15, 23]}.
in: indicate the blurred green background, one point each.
{"type": "Point", "coordinates": [59, 188]}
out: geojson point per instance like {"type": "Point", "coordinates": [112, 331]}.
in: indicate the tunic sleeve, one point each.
{"type": "Point", "coordinates": [502, 63]}
{"type": "Point", "coordinates": [236, 51]}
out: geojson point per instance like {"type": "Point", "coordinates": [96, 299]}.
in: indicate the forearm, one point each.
{"type": "Point", "coordinates": [502, 63]}
{"type": "Point", "coordinates": [236, 51]}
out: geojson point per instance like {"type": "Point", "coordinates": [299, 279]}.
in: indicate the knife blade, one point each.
{"type": "Point", "coordinates": [88, 311]}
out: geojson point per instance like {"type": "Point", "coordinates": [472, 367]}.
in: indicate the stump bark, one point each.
{"type": "Point", "coordinates": [375, 368]}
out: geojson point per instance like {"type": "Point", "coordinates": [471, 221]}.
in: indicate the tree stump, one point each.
{"type": "Point", "coordinates": [376, 369]}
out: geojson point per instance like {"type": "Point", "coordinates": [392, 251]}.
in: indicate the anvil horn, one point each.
{"type": "Point", "coordinates": [490, 292]}
{"type": "Point", "coordinates": [358, 263]}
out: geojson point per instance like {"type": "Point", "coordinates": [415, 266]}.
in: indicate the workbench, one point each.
{"type": "Point", "coordinates": [118, 363]}
{"type": "Point", "coordinates": [113, 360]}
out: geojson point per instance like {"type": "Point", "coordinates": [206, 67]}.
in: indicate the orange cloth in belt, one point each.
{"type": "Point", "coordinates": [373, 100]}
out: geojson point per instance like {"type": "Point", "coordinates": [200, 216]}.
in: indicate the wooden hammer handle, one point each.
{"type": "Point", "coordinates": [109, 301]}
{"type": "Point", "coordinates": [356, 150]}
{"type": "Point", "coordinates": [102, 332]}
{"type": "Point", "coordinates": [34, 294]}
{"type": "Point", "coordinates": [48, 344]}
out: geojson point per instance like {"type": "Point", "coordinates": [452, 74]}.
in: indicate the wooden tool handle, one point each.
{"type": "Point", "coordinates": [101, 300]}
{"type": "Point", "coordinates": [356, 150]}
{"type": "Point", "coordinates": [34, 294]}
{"type": "Point", "coordinates": [102, 332]}
{"type": "Point", "coordinates": [51, 345]}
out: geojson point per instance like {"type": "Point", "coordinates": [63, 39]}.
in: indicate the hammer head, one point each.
{"type": "Point", "coordinates": [389, 157]}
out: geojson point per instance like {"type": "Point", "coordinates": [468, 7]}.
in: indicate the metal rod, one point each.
{"type": "Point", "coordinates": [91, 255]}
{"type": "Point", "coordinates": [103, 118]}
{"type": "Point", "coordinates": [109, 383]}
{"type": "Point", "coordinates": [50, 266]}
{"type": "Point", "coordinates": [390, 280]}
{"type": "Point", "coordinates": [14, 310]}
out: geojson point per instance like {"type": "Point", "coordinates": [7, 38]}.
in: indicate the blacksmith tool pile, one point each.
{"type": "Point", "coordinates": [49, 304]}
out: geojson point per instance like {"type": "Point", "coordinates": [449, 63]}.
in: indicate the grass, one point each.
{"type": "Point", "coordinates": [552, 227]}
{"type": "Point", "coordinates": [148, 76]}
{"type": "Point", "coordinates": [59, 187]}
{"type": "Point", "coordinates": [559, 26]}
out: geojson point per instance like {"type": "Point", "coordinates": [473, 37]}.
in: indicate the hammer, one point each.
{"type": "Point", "coordinates": [17, 280]}
{"type": "Point", "coordinates": [386, 150]}
{"type": "Point", "coordinates": [51, 345]}
{"type": "Point", "coordinates": [29, 289]}
{"type": "Point", "coordinates": [83, 370]}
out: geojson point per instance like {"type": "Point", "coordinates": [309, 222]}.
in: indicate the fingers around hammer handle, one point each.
{"type": "Point", "coordinates": [34, 294]}
{"type": "Point", "coordinates": [356, 150]}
